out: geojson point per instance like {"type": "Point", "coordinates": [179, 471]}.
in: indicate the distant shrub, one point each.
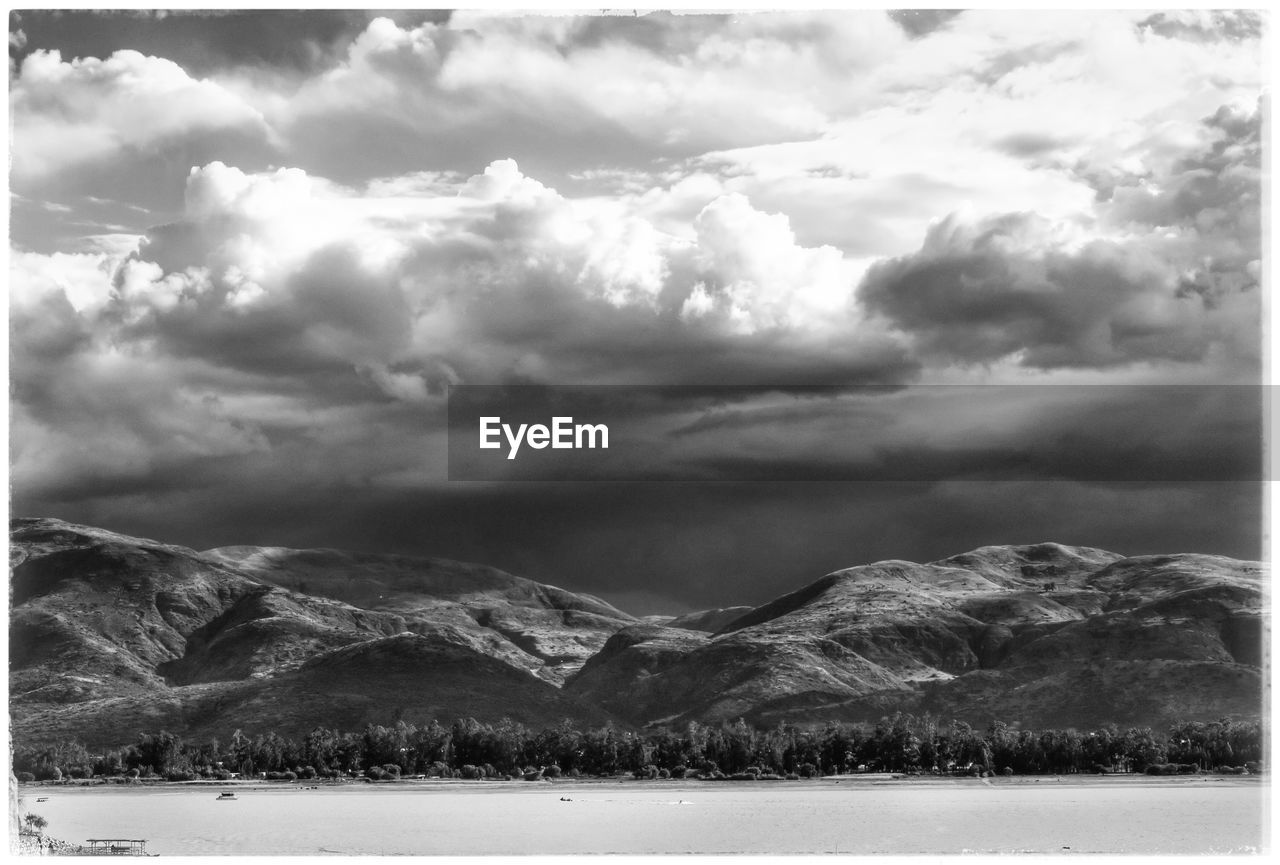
{"type": "Point", "coordinates": [753, 770]}
{"type": "Point", "coordinates": [307, 772]}
{"type": "Point", "coordinates": [1229, 770]}
{"type": "Point", "coordinates": [180, 775]}
{"type": "Point", "coordinates": [648, 773]}
{"type": "Point", "coordinates": [808, 770]}
{"type": "Point", "coordinates": [375, 773]}
{"type": "Point", "coordinates": [769, 776]}
{"type": "Point", "coordinates": [470, 772]}
{"type": "Point", "coordinates": [532, 775]}
{"type": "Point", "coordinates": [26, 777]}
{"type": "Point", "coordinates": [1173, 769]}
{"type": "Point", "coordinates": [664, 774]}
{"type": "Point", "coordinates": [221, 775]}
{"type": "Point", "coordinates": [552, 771]}
{"type": "Point", "coordinates": [680, 771]}
{"type": "Point", "coordinates": [392, 770]}
{"type": "Point", "coordinates": [793, 776]}
{"type": "Point", "coordinates": [708, 767]}
{"type": "Point", "coordinates": [1254, 767]}
{"type": "Point", "coordinates": [438, 770]}
{"type": "Point", "coordinates": [134, 773]}
{"type": "Point", "coordinates": [743, 776]}
{"type": "Point", "coordinates": [1008, 770]}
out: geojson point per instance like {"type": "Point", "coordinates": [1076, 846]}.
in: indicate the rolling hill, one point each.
{"type": "Point", "coordinates": [1044, 635]}
{"type": "Point", "coordinates": [111, 635]}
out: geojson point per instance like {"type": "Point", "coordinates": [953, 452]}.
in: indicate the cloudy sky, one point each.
{"type": "Point", "coordinates": [250, 252]}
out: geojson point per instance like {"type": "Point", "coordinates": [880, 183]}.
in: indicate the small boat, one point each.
{"type": "Point", "coordinates": [226, 795]}
{"type": "Point", "coordinates": [43, 799]}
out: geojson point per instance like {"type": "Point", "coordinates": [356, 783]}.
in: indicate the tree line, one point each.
{"type": "Point", "coordinates": [470, 749]}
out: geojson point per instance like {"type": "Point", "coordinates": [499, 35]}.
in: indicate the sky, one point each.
{"type": "Point", "coordinates": [251, 252]}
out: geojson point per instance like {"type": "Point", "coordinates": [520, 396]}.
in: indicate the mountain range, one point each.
{"type": "Point", "coordinates": [112, 635]}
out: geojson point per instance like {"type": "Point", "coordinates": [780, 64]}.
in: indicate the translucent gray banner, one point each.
{"type": "Point", "coordinates": [865, 433]}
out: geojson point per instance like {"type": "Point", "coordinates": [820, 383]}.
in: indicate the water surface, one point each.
{"type": "Point", "coordinates": [1046, 815]}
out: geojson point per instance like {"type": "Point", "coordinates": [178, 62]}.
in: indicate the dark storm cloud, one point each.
{"type": "Point", "coordinates": [699, 545]}
{"type": "Point", "coordinates": [210, 40]}
{"type": "Point", "coordinates": [1094, 433]}
{"type": "Point", "coordinates": [979, 293]}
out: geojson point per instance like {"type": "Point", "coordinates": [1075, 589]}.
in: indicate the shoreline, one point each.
{"type": "Point", "coordinates": [877, 780]}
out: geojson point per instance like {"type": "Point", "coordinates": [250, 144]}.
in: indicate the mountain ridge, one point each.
{"type": "Point", "coordinates": [110, 633]}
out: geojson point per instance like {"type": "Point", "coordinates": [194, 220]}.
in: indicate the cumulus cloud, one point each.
{"type": "Point", "coordinates": [86, 110]}
{"type": "Point", "coordinates": [984, 290]}
{"type": "Point", "coordinates": [89, 410]}
{"type": "Point", "coordinates": [1166, 270]}
{"type": "Point", "coordinates": [297, 288]}
{"type": "Point", "coordinates": [760, 277]}
{"type": "Point", "coordinates": [474, 280]}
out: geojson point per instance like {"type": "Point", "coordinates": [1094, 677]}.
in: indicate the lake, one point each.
{"type": "Point", "coordinates": [1041, 815]}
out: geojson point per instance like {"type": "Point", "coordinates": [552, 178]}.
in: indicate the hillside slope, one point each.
{"type": "Point", "coordinates": [110, 634]}
{"type": "Point", "coordinates": [1044, 635]}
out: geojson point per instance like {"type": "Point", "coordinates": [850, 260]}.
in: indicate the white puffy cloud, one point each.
{"type": "Point", "coordinates": [83, 280]}
{"type": "Point", "coordinates": [86, 110]}
{"type": "Point", "coordinates": [760, 278]}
